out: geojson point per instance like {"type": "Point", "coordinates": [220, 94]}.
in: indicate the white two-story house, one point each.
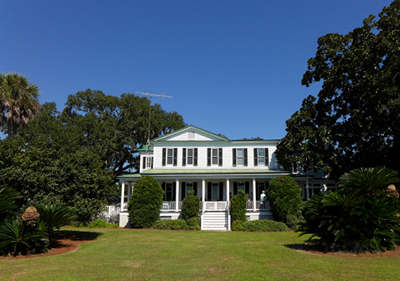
{"type": "Point", "coordinates": [212, 167]}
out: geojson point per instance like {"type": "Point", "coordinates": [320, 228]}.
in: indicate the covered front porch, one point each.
{"type": "Point", "coordinates": [215, 191]}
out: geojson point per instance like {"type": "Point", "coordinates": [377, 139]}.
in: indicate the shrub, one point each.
{"type": "Point", "coordinates": [193, 223]}
{"type": "Point", "coordinates": [238, 206]}
{"type": "Point", "coordinates": [8, 206]}
{"type": "Point", "coordinates": [102, 224]}
{"type": "Point", "coordinates": [144, 206]}
{"type": "Point", "coordinates": [359, 217]}
{"type": "Point", "coordinates": [17, 238]}
{"type": "Point", "coordinates": [259, 225]}
{"type": "Point", "coordinates": [55, 216]}
{"type": "Point", "coordinates": [190, 207]}
{"type": "Point", "coordinates": [171, 224]}
{"type": "Point", "coordinates": [284, 196]}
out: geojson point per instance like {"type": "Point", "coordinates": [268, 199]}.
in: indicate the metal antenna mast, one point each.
{"type": "Point", "coordinates": [151, 95]}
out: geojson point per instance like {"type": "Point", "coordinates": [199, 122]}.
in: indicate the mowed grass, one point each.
{"type": "Point", "coordinates": [178, 255]}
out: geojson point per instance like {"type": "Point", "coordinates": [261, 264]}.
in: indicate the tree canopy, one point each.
{"type": "Point", "coordinates": [355, 119]}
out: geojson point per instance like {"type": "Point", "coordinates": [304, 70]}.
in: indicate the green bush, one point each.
{"type": "Point", "coordinates": [193, 223]}
{"type": "Point", "coordinates": [144, 206]}
{"type": "Point", "coordinates": [190, 207]}
{"type": "Point", "coordinates": [171, 224]}
{"type": "Point", "coordinates": [284, 196]}
{"type": "Point", "coordinates": [102, 224]}
{"type": "Point", "coordinates": [359, 217]}
{"type": "Point", "coordinates": [259, 225]}
{"type": "Point", "coordinates": [17, 238]}
{"type": "Point", "coordinates": [8, 206]}
{"type": "Point", "coordinates": [54, 216]}
{"type": "Point", "coordinates": [238, 206]}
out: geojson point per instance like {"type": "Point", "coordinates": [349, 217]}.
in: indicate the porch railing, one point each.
{"type": "Point", "coordinates": [215, 205]}
{"type": "Point", "coordinates": [259, 205]}
{"type": "Point", "coordinates": [170, 205]}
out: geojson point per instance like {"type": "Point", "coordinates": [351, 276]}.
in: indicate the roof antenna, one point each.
{"type": "Point", "coordinates": [151, 95]}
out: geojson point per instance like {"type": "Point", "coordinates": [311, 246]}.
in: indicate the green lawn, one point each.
{"type": "Point", "coordinates": [168, 255]}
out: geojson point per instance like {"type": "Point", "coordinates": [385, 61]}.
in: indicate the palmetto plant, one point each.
{"type": "Point", "coordinates": [16, 238]}
{"type": "Point", "coordinates": [54, 216]}
{"type": "Point", "coordinates": [18, 102]}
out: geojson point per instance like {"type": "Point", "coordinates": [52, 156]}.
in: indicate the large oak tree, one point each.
{"type": "Point", "coordinates": [355, 119]}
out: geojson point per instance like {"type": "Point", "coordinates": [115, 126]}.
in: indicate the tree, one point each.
{"type": "Point", "coordinates": [8, 204]}
{"type": "Point", "coordinates": [190, 207]}
{"type": "Point", "coordinates": [284, 195]}
{"type": "Point", "coordinates": [18, 102]}
{"type": "Point", "coordinates": [115, 127]}
{"type": "Point", "coordinates": [355, 119]}
{"type": "Point", "coordinates": [361, 216]}
{"type": "Point", "coordinates": [145, 203]}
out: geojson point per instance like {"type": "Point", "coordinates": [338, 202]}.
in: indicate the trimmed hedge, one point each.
{"type": "Point", "coordinates": [102, 224]}
{"type": "Point", "coordinates": [238, 206]}
{"type": "Point", "coordinates": [259, 225]}
{"type": "Point", "coordinates": [179, 224]}
{"type": "Point", "coordinates": [190, 207]}
{"type": "Point", "coordinates": [144, 206]}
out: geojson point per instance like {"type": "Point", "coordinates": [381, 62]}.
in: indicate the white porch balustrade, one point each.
{"type": "Point", "coordinates": [215, 205]}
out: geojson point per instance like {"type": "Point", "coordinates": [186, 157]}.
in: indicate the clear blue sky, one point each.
{"type": "Point", "coordinates": [232, 67]}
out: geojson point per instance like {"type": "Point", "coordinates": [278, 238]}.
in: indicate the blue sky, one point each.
{"type": "Point", "coordinates": [232, 67]}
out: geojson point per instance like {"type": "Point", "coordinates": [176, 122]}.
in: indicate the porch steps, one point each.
{"type": "Point", "coordinates": [215, 220]}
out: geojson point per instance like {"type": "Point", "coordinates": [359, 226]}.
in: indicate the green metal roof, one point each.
{"type": "Point", "coordinates": [146, 147]}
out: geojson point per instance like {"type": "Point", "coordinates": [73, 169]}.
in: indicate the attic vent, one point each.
{"type": "Point", "coordinates": [191, 135]}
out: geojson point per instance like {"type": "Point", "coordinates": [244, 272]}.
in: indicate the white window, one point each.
{"type": "Point", "coordinates": [149, 162]}
{"type": "Point", "coordinates": [170, 154]}
{"type": "Point", "coordinates": [214, 156]}
{"type": "Point", "coordinates": [240, 156]}
{"type": "Point", "coordinates": [261, 156]}
{"type": "Point", "coordinates": [190, 156]}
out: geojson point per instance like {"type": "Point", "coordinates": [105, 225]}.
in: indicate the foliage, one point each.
{"type": "Point", "coordinates": [145, 203]}
{"type": "Point", "coordinates": [284, 195]}
{"type": "Point", "coordinates": [8, 205]}
{"type": "Point", "coordinates": [18, 102]}
{"type": "Point", "coordinates": [359, 217]}
{"type": "Point", "coordinates": [354, 121]}
{"type": "Point", "coordinates": [238, 206]}
{"type": "Point", "coordinates": [102, 224]}
{"type": "Point", "coordinates": [17, 238]}
{"type": "Point", "coordinates": [115, 127]}
{"type": "Point", "coordinates": [55, 216]}
{"type": "Point", "coordinates": [193, 223]}
{"type": "Point", "coordinates": [190, 207]}
{"type": "Point", "coordinates": [259, 225]}
{"type": "Point", "coordinates": [178, 224]}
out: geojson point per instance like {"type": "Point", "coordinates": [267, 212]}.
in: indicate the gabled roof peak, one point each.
{"type": "Point", "coordinates": [192, 129]}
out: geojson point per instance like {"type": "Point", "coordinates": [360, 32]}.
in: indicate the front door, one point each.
{"type": "Point", "coordinates": [215, 192]}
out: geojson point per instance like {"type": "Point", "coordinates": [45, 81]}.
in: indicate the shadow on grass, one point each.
{"type": "Point", "coordinates": [304, 247]}
{"type": "Point", "coordinates": [77, 235]}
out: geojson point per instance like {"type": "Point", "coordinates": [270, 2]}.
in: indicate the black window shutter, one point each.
{"type": "Point", "coordinates": [266, 157]}
{"type": "Point", "coordinates": [183, 156]}
{"type": "Point", "coordinates": [208, 156]}
{"type": "Point", "coordinates": [245, 156]}
{"type": "Point", "coordinates": [195, 157]}
{"type": "Point", "coordinates": [175, 156]}
{"type": "Point", "coordinates": [164, 191]}
{"type": "Point", "coordinates": [235, 188]}
{"type": "Point", "coordinates": [195, 188]}
{"type": "Point", "coordinates": [152, 160]}
{"type": "Point", "coordinates": [183, 190]}
{"type": "Point", "coordinates": [144, 163]}
{"type": "Point", "coordinates": [221, 191]}
{"type": "Point", "coordinates": [220, 156]}
{"type": "Point", "coordinates": [247, 186]}
{"type": "Point", "coordinates": [164, 152]}
{"type": "Point", "coordinates": [234, 157]}
{"type": "Point", "coordinates": [255, 157]}
{"type": "Point", "coordinates": [174, 191]}
{"type": "Point", "coordinates": [209, 191]}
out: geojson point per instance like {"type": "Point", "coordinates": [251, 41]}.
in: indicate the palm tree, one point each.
{"type": "Point", "coordinates": [18, 102]}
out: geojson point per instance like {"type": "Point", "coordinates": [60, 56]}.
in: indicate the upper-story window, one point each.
{"type": "Point", "coordinates": [214, 156]}
{"type": "Point", "coordinates": [169, 156]}
{"type": "Point", "coordinates": [147, 162]}
{"type": "Point", "coordinates": [261, 156]}
{"type": "Point", "coordinates": [239, 156]}
{"type": "Point", "coordinates": [189, 156]}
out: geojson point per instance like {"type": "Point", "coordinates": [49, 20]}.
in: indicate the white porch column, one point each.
{"type": "Point", "coordinates": [203, 193]}
{"type": "Point", "coordinates": [227, 192]}
{"type": "Point", "coordinates": [254, 195]}
{"type": "Point", "coordinates": [122, 195]}
{"type": "Point", "coordinates": [177, 196]}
